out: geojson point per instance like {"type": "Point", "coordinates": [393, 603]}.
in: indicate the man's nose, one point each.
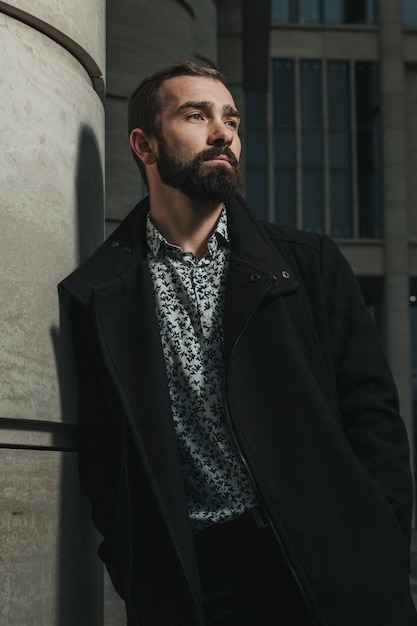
{"type": "Point", "coordinates": [220, 134]}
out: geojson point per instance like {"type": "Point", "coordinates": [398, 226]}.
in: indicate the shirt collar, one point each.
{"type": "Point", "coordinates": [157, 243]}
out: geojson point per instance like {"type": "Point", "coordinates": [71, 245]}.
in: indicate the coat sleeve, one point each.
{"type": "Point", "coordinates": [367, 394]}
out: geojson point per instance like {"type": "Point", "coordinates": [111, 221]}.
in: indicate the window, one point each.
{"type": "Point", "coordinates": [284, 161]}
{"type": "Point", "coordinates": [256, 150]}
{"type": "Point", "coordinates": [368, 143]}
{"type": "Point", "coordinates": [312, 145]}
{"type": "Point", "coordinates": [325, 11]}
{"type": "Point", "coordinates": [340, 148]}
{"type": "Point", "coordinates": [410, 13]}
{"type": "Point", "coordinates": [326, 152]}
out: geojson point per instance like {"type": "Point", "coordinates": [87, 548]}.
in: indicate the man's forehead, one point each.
{"type": "Point", "coordinates": [180, 89]}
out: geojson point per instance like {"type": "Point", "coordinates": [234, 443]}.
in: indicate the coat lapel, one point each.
{"type": "Point", "coordinates": [256, 272]}
{"type": "Point", "coordinates": [128, 334]}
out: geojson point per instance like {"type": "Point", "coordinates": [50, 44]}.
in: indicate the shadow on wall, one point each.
{"type": "Point", "coordinates": [89, 235]}
{"type": "Point", "coordinates": [90, 195]}
{"type": "Point", "coordinates": [79, 571]}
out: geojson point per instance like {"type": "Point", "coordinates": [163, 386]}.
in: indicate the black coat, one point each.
{"type": "Point", "coordinates": [312, 405]}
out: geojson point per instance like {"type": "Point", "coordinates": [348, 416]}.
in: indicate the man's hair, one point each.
{"type": "Point", "coordinates": [146, 102]}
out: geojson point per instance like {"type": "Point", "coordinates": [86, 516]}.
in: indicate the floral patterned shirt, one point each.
{"type": "Point", "coordinates": [189, 300]}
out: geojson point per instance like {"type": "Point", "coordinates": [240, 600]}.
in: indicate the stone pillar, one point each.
{"type": "Point", "coordinates": [51, 209]}
{"type": "Point", "coordinates": [397, 324]}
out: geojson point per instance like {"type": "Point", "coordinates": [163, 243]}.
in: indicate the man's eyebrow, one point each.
{"type": "Point", "coordinates": [228, 109]}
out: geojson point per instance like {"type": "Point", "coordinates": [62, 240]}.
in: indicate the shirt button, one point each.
{"type": "Point", "coordinates": [254, 278]}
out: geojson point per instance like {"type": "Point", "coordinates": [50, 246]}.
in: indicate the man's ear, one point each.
{"type": "Point", "coordinates": [141, 146]}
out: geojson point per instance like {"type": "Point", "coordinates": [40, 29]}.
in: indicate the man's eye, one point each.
{"type": "Point", "coordinates": [232, 123]}
{"type": "Point", "coordinates": [195, 116]}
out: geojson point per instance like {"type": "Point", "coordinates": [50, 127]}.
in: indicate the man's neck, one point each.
{"type": "Point", "coordinates": [185, 223]}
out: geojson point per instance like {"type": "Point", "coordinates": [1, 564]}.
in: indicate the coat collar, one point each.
{"type": "Point", "coordinates": [251, 246]}
{"type": "Point", "coordinates": [257, 269]}
{"type": "Point", "coordinates": [117, 257]}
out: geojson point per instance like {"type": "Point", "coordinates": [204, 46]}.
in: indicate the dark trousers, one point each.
{"type": "Point", "coordinates": [245, 579]}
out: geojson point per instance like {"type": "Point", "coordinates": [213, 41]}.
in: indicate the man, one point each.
{"type": "Point", "coordinates": [240, 441]}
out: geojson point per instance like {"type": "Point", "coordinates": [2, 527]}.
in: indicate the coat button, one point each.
{"type": "Point", "coordinates": [285, 274]}
{"type": "Point", "coordinates": [254, 278]}
{"type": "Point", "coordinates": [115, 244]}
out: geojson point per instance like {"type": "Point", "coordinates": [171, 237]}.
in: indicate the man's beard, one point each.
{"type": "Point", "coordinates": [210, 185]}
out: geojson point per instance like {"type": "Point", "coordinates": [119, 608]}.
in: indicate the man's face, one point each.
{"type": "Point", "coordinates": [199, 146]}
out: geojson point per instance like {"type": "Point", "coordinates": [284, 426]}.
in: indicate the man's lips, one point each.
{"type": "Point", "coordinates": [221, 157]}
{"type": "Point", "coordinates": [217, 155]}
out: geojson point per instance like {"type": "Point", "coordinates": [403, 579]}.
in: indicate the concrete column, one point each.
{"type": "Point", "coordinates": [397, 324]}
{"type": "Point", "coordinates": [51, 208]}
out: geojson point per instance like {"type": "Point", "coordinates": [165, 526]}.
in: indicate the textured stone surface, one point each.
{"type": "Point", "coordinates": [48, 572]}
{"type": "Point", "coordinates": [83, 22]}
{"type": "Point", "coordinates": [51, 130]}
{"type": "Point", "coordinates": [144, 36]}
{"type": "Point", "coordinates": [51, 212]}
{"type": "Point", "coordinates": [124, 185]}
{"type": "Point", "coordinates": [205, 28]}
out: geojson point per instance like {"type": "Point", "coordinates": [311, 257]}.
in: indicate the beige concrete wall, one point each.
{"type": "Point", "coordinates": [48, 575]}
{"type": "Point", "coordinates": [51, 211]}
{"type": "Point", "coordinates": [318, 41]}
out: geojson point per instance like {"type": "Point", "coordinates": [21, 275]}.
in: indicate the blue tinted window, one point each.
{"type": "Point", "coordinates": [312, 146]}
{"type": "Point", "coordinates": [340, 154]}
{"type": "Point", "coordinates": [359, 12]}
{"type": "Point", "coordinates": [283, 98]}
{"type": "Point", "coordinates": [317, 167]}
{"type": "Point", "coordinates": [410, 12]}
{"type": "Point", "coordinates": [328, 11]}
{"type": "Point", "coordinates": [256, 150]}
{"type": "Point", "coordinates": [334, 12]}
{"type": "Point", "coordinates": [280, 10]}
{"type": "Point", "coordinates": [309, 11]}
{"type": "Point", "coordinates": [368, 147]}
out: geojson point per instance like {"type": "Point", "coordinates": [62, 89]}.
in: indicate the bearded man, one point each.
{"type": "Point", "coordinates": [240, 441]}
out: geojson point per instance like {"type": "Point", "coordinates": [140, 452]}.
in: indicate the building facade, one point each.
{"type": "Point", "coordinates": [331, 147]}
